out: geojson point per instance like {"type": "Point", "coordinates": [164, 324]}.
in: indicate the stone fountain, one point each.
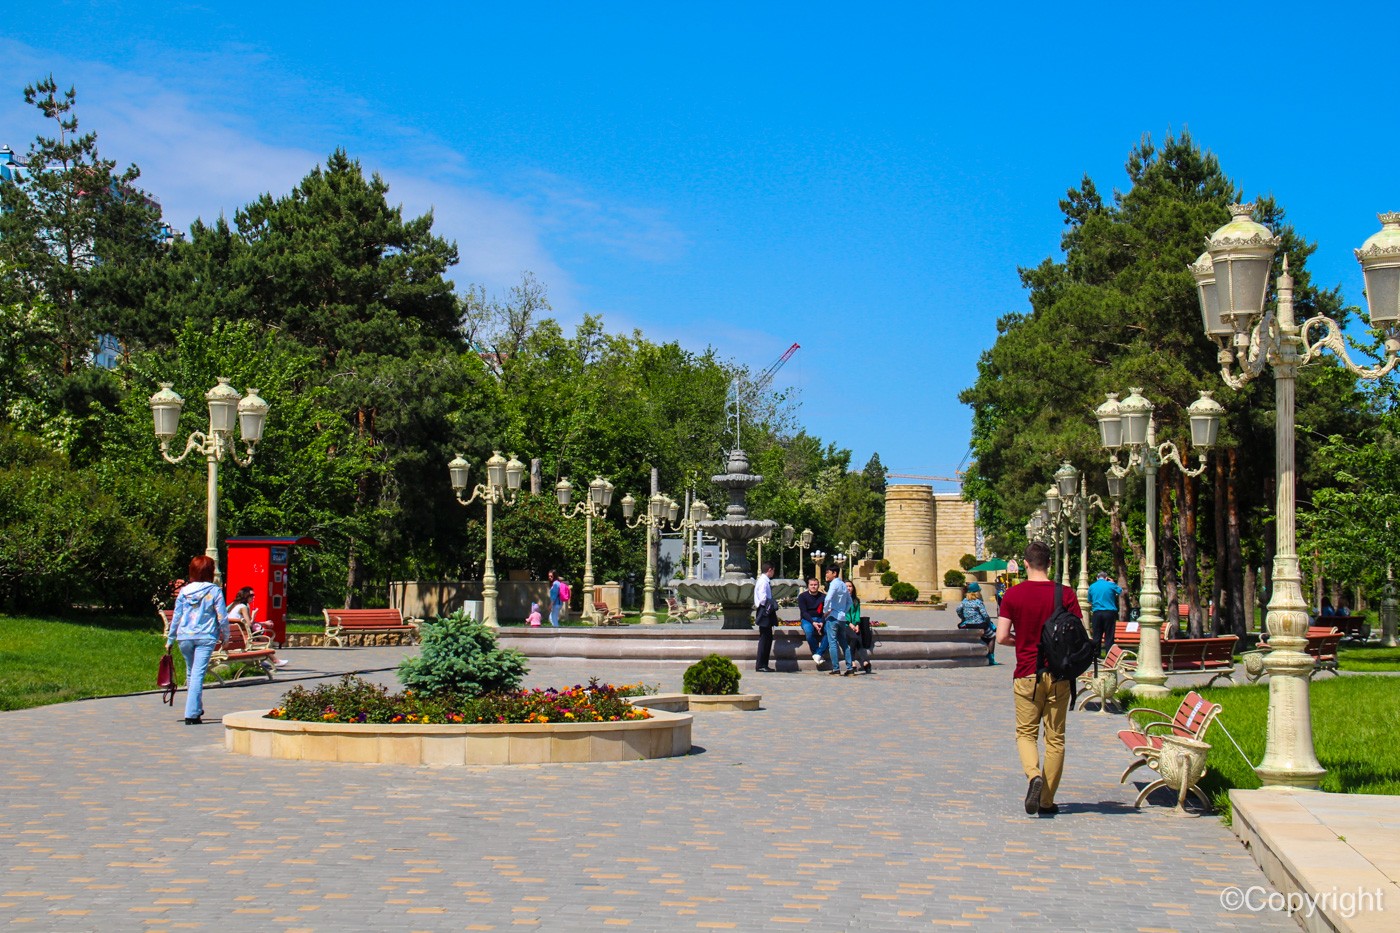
{"type": "Point", "coordinates": [734, 589]}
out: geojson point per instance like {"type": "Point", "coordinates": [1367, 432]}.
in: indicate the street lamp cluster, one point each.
{"type": "Point", "coordinates": [1233, 277]}
{"type": "Point", "coordinates": [1129, 424]}
{"type": "Point", "coordinates": [802, 543]}
{"type": "Point", "coordinates": [1069, 498]}
{"type": "Point", "coordinates": [661, 510]}
{"type": "Point", "coordinates": [502, 485]}
{"type": "Point", "coordinates": [225, 407]}
{"type": "Point", "coordinates": [600, 493]}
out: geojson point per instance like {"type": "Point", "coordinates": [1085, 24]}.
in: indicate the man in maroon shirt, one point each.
{"type": "Point", "coordinates": [1039, 698]}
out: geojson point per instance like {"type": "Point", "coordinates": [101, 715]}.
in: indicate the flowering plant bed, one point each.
{"type": "Point", "coordinates": [353, 700]}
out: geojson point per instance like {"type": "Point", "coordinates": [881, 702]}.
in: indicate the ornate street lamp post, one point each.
{"type": "Point", "coordinates": [600, 493]}
{"type": "Point", "coordinates": [502, 485]}
{"type": "Point", "coordinates": [1130, 424]}
{"type": "Point", "coordinates": [804, 541]}
{"type": "Point", "coordinates": [1232, 278]}
{"type": "Point", "coordinates": [660, 509]}
{"type": "Point", "coordinates": [699, 512]}
{"type": "Point", "coordinates": [224, 405]}
{"type": "Point", "coordinates": [1072, 496]}
{"type": "Point", "coordinates": [817, 558]}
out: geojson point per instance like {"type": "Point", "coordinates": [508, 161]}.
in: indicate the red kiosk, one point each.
{"type": "Point", "coordinates": [261, 562]}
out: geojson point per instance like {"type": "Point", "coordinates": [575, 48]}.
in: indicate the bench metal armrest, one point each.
{"type": "Point", "coordinates": [1148, 709]}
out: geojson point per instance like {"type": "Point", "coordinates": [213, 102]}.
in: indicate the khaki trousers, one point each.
{"type": "Point", "coordinates": [1041, 700]}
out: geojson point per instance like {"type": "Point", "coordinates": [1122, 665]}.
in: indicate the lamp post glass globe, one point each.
{"type": "Point", "coordinates": [1110, 423]}
{"type": "Point", "coordinates": [1067, 480]}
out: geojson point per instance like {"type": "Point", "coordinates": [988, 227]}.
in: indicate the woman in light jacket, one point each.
{"type": "Point", "coordinates": [200, 624]}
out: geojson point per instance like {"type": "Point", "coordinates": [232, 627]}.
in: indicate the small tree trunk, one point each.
{"type": "Point", "coordinates": [1241, 599]}
{"type": "Point", "coordinates": [1189, 566]}
{"type": "Point", "coordinates": [1166, 555]}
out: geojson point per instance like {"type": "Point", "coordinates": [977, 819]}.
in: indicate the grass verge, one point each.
{"type": "Point", "coordinates": [45, 661]}
{"type": "Point", "coordinates": [1368, 659]}
{"type": "Point", "coordinates": [1354, 721]}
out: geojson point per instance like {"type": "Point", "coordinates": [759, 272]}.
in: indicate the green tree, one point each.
{"type": "Point", "coordinates": [76, 234]}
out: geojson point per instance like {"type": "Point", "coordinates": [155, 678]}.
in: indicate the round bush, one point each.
{"type": "Point", "coordinates": [968, 561]}
{"type": "Point", "coordinates": [714, 675]}
{"type": "Point", "coordinates": [882, 565]}
{"type": "Point", "coordinates": [889, 578]}
{"type": "Point", "coordinates": [459, 656]}
{"type": "Point", "coordinates": [903, 593]}
{"type": "Point", "coordinates": [954, 578]}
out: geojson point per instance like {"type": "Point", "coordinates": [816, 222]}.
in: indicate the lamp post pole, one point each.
{"type": "Point", "coordinates": [502, 485]}
{"type": "Point", "coordinates": [817, 558]}
{"type": "Point", "coordinates": [1130, 424]}
{"type": "Point", "coordinates": [659, 508]}
{"type": "Point", "coordinates": [225, 406]}
{"type": "Point", "coordinates": [1232, 278]}
{"type": "Point", "coordinates": [600, 493]}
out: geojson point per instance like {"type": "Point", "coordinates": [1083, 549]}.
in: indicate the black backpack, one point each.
{"type": "Point", "coordinates": [1065, 648]}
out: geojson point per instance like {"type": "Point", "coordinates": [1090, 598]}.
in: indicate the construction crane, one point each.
{"type": "Point", "coordinates": [739, 397]}
{"type": "Point", "coordinates": [941, 479]}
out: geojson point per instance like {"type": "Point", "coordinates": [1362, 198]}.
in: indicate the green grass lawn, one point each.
{"type": "Point", "coordinates": [46, 661]}
{"type": "Point", "coordinates": [1355, 720]}
{"type": "Point", "coordinates": [1368, 659]}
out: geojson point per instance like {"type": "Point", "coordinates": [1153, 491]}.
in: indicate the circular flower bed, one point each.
{"type": "Point", "coordinates": [353, 700]}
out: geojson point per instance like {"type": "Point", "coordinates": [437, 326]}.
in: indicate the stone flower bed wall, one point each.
{"type": "Point", "coordinates": [698, 703]}
{"type": "Point", "coordinates": [665, 735]}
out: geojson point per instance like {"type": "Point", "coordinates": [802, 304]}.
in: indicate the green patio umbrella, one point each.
{"type": "Point", "coordinates": [995, 564]}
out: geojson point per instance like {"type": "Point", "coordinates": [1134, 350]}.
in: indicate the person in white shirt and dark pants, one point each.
{"type": "Point", "coordinates": [765, 613]}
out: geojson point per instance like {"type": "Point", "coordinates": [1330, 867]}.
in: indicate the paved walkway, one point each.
{"type": "Point", "coordinates": [889, 802]}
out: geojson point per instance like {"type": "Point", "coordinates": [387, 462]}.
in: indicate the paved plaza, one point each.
{"type": "Point", "coordinates": [888, 802]}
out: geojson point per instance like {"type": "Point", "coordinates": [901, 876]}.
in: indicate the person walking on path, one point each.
{"type": "Point", "coordinates": [972, 614]}
{"type": "Point", "coordinates": [1103, 610]}
{"type": "Point", "coordinates": [838, 642]}
{"type": "Point", "coordinates": [765, 614]}
{"type": "Point", "coordinates": [809, 612]}
{"type": "Point", "coordinates": [556, 598]}
{"type": "Point", "coordinates": [1041, 701]}
{"type": "Point", "coordinates": [200, 624]}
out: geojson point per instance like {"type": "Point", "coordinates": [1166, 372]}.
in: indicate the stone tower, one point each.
{"type": "Point", "coordinates": [926, 535]}
{"type": "Point", "coordinates": [909, 536]}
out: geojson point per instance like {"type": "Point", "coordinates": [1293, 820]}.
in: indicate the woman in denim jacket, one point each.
{"type": "Point", "coordinates": [200, 624]}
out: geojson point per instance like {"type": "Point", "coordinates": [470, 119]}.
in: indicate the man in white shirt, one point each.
{"type": "Point", "coordinates": [765, 612]}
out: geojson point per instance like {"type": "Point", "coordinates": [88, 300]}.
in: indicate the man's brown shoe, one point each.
{"type": "Point", "coordinates": [1033, 794]}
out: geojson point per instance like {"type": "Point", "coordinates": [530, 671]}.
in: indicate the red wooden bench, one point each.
{"type": "Point", "coordinates": [1126, 634]}
{"type": "Point", "coordinates": [1322, 645]}
{"type": "Point", "coordinates": [247, 654]}
{"type": "Point", "coordinates": [1118, 663]}
{"type": "Point", "coordinates": [1355, 628]}
{"type": "Point", "coordinates": [1193, 717]}
{"type": "Point", "coordinates": [342, 622]}
{"type": "Point", "coordinates": [1197, 655]}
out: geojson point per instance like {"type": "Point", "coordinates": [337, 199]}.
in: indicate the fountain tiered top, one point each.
{"type": "Point", "coordinates": [734, 589]}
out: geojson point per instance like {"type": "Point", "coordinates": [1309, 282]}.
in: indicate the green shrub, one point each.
{"type": "Point", "coordinates": [882, 565]}
{"type": "Point", "coordinates": [889, 578]}
{"type": "Point", "coordinates": [903, 592]}
{"type": "Point", "coordinates": [954, 578]}
{"type": "Point", "coordinates": [968, 561]}
{"type": "Point", "coordinates": [714, 675]}
{"type": "Point", "coordinates": [459, 656]}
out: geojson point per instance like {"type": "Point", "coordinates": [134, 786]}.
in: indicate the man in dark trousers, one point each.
{"type": "Point", "coordinates": [1103, 610]}
{"type": "Point", "coordinates": [1040, 699]}
{"type": "Point", "coordinates": [765, 613]}
{"type": "Point", "coordinates": [809, 610]}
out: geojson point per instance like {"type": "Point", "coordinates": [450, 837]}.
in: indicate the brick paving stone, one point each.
{"type": "Point", "coordinates": [890, 802]}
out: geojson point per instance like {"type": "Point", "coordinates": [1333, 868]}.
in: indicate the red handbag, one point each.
{"type": "Point", "coordinates": [165, 677]}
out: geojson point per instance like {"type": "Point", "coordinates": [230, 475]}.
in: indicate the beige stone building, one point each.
{"type": "Point", "coordinates": [926, 534]}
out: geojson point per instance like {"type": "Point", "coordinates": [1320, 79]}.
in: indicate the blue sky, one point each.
{"type": "Point", "coordinates": [862, 179]}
